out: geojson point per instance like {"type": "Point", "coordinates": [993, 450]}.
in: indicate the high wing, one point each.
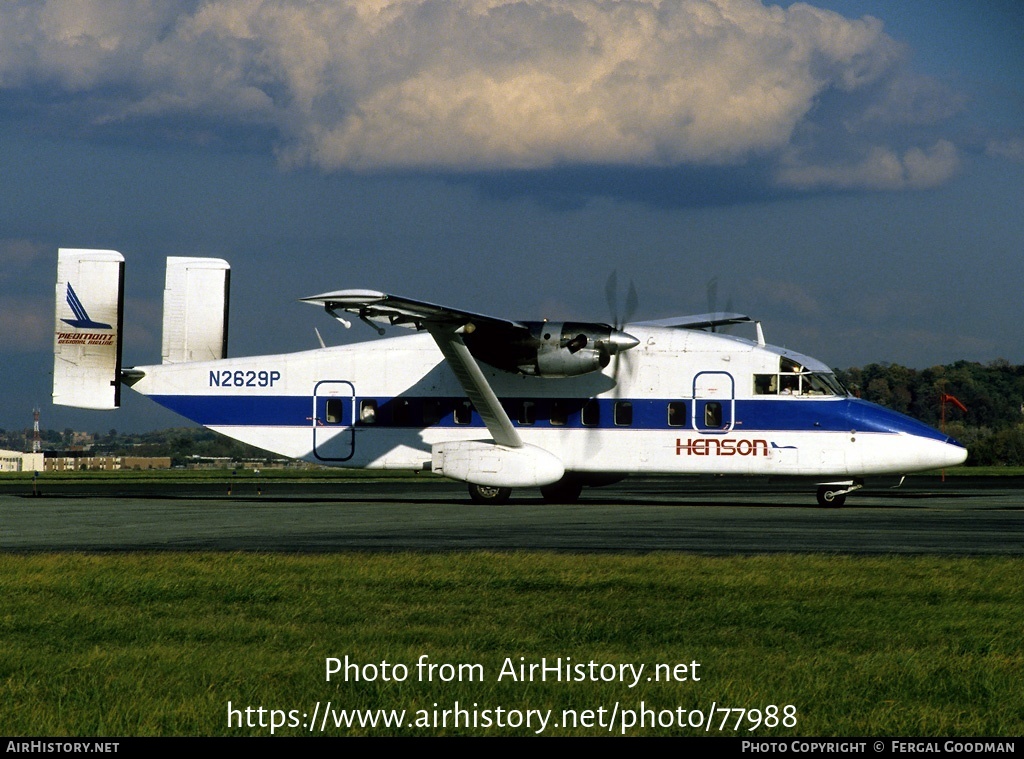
{"type": "Point", "coordinates": [447, 326]}
{"type": "Point", "coordinates": [539, 348]}
{"type": "Point", "coordinates": [397, 311]}
{"type": "Point", "coordinates": [546, 349]}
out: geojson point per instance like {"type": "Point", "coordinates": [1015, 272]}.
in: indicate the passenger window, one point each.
{"type": "Point", "coordinates": [528, 413]}
{"type": "Point", "coordinates": [431, 411]}
{"type": "Point", "coordinates": [559, 415]}
{"type": "Point", "coordinates": [713, 415]}
{"type": "Point", "coordinates": [334, 410]}
{"type": "Point", "coordinates": [401, 412]}
{"type": "Point", "coordinates": [623, 413]}
{"type": "Point", "coordinates": [591, 414]}
{"type": "Point", "coordinates": [368, 412]}
{"type": "Point", "coordinates": [464, 413]}
{"type": "Point", "coordinates": [676, 414]}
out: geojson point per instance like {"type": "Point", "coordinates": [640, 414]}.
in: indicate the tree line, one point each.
{"type": "Point", "coordinates": [992, 428]}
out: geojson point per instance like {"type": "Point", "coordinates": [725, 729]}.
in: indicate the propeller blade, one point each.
{"type": "Point", "coordinates": [611, 294]}
{"type": "Point", "coordinates": [712, 295]}
{"type": "Point", "coordinates": [618, 342]}
{"type": "Point", "coordinates": [632, 301]}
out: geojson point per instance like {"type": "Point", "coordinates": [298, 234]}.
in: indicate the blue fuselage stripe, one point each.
{"type": "Point", "coordinates": [749, 415]}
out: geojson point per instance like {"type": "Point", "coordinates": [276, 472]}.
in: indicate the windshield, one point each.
{"type": "Point", "coordinates": [798, 382]}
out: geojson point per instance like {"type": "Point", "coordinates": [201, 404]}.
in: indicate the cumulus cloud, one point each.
{"type": "Point", "coordinates": [1010, 149]}
{"type": "Point", "coordinates": [485, 84]}
{"type": "Point", "coordinates": [881, 169]}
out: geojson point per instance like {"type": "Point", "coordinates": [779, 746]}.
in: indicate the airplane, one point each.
{"type": "Point", "coordinates": [494, 403]}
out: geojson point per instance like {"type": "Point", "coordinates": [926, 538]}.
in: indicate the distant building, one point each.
{"type": "Point", "coordinates": [145, 462]}
{"type": "Point", "coordinates": [105, 463]}
{"type": "Point", "coordinates": [16, 461]}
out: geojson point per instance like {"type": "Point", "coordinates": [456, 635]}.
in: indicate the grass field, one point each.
{"type": "Point", "coordinates": [159, 644]}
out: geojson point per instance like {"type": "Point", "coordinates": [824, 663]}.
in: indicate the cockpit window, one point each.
{"type": "Point", "coordinates": [789, 384]}
{"type": "Point", "coordinates": [794, 380]}
{"type": "Point", "coordinates": [822, 383]}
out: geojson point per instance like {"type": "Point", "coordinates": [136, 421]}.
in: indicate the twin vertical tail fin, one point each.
{"type": "Point", "coordinates": [90, 313]}
{"type": "Point", "coordinates": [196, 298]}
{"type": "Point", "coordinates": [87, 333]}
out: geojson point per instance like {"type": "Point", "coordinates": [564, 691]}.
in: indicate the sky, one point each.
{"type": "Point", "coordinates": [849, 172]}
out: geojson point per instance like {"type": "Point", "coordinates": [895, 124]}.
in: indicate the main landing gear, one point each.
{"type": "Point", "coordinates": [834, 495]}
{"type": "Point", "coordinates": [489, 495]}
{"type": "Point", "coordinates": [563, 491]}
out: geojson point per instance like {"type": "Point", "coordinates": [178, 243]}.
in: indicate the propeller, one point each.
{"type": "Point", "coordinates": [619, 342]}
{"type": "Point", "coordinates": [712, 291]}
{"type": "Point", "coordinates": [611, 294]}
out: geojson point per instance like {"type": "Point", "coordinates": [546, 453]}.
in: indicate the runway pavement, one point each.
{"type": "Point", "coordinates": [966, 517]}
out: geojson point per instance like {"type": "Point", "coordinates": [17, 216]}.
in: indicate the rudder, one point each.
{"type": "Point", "coordinates": [88, 327]}
{"type": "Point", "coordinates": [196, 294]}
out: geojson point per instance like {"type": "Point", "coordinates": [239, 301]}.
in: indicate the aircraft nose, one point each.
{"type": "Point", "coordinates": [954, 453]}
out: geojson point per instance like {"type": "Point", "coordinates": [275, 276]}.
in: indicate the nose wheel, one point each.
{"type": "Point", "coordinates": [830, 498]}
{"type": "Point", "coordinates": [834, 496]}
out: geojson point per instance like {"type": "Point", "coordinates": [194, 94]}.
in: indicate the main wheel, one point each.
{"type": "Point", "coordinates": [487, 494]}
{"type": "Point", "coordinates": [829, 498]}
{"type": "Point", "coordinates": [563, 491]}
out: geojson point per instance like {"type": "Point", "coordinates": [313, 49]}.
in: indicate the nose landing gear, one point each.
{"type": "Point", "coordinates": [833, 494]}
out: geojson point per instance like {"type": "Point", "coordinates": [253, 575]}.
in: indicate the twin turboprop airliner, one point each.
{"type": "Point", "coordinates": [494, 403]}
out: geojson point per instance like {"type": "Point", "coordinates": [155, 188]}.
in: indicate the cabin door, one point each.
{"type": "Point", "coordinates": [334, 405]}
{"type": "Point", "coordinates": [714, 402]}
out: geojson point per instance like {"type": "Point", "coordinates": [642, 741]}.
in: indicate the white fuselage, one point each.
{"type": "Point", "coordinates": [682, 401]}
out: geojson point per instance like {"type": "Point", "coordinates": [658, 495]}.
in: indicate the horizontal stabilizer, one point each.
{"type": "Point", "coordinates": [87, 334]}
{"type": "Point", "coordinates": [196, 294]}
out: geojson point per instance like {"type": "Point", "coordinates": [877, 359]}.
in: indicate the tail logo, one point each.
{"type": "Point", "coordinates": [81, 320]}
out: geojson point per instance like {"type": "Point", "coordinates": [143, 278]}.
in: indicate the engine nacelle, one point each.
{"type": "Point", "coordinates": [568, 349]}
{"type": "Point", "coordinates": [563, 363]}
{"type": "Point", "coordinates": [549, 349]}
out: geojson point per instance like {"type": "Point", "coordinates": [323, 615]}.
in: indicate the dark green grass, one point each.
{"type": "Point", "coordinates": [159, 644]}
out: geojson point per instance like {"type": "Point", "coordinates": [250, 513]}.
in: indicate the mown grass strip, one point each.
{"type": "Point", "coordinates": [158, 644]}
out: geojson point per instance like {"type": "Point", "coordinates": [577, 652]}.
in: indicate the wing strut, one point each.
{"type": "Point", "coordinates": [477, 389]}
